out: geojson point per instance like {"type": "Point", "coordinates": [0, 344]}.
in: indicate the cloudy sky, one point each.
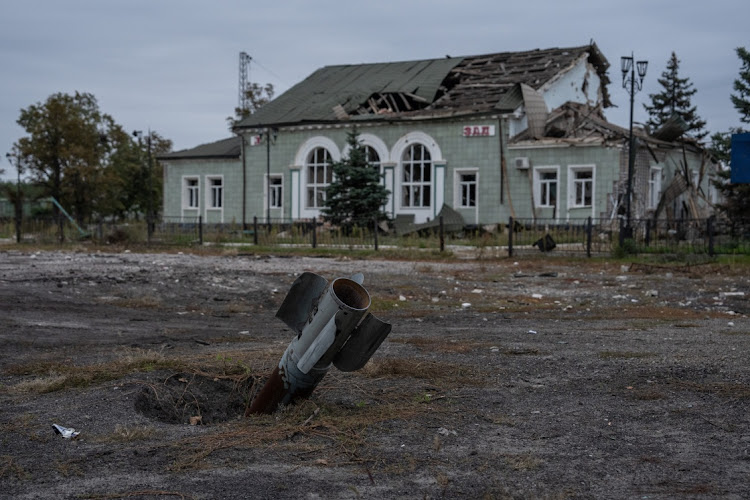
{"type": "Point", "coordinates": [173, 65]}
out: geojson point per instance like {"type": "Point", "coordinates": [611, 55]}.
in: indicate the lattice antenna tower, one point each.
{"type": "Point", "coordinates": [244, 74]}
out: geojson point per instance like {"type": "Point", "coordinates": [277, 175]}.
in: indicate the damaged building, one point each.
{"type": "Point", "coordinates": [519, 134]}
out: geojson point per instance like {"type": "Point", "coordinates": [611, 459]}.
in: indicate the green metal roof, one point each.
{"type": "Point", "coordinates": [313, 99]}
{"type": "Point", "coordinates": [431, 88]}
{"type": "Point", "coordinates": [225, 148]}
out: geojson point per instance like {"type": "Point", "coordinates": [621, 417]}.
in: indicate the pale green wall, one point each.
{"type": "Point", "coordinates": [459, 152]}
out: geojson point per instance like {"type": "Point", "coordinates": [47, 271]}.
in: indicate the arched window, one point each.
{"type": "Point", "coordinates": [372, 157]}
{"type": "Point", "coordinates": [319, 176]}
{"type": "Point", "coordinates": [417, 176]}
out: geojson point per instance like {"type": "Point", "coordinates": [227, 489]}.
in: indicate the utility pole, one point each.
{"type": "Point", "coordinates": [149, 184]}
{"type": "Point", "coordinates": [19, 201]}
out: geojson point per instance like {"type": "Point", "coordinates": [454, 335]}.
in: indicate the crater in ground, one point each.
{"type": "Point", "coordinates": [195, 399]}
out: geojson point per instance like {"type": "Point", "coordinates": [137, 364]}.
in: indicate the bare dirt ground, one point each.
{"type": "Point", "coordinates": [500, 379]}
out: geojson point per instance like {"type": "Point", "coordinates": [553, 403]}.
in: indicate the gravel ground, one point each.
{"type": "Point", "coordinates": [500, 379]}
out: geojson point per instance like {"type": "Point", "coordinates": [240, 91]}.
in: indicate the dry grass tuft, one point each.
{"type": "Point", "coordinates": [433, 344]}
{"type": "Point", "coordinates": [144, 302]}
{"type": "Point", "coordinates": [129, 434]}
{"type": "Point", "coordinates": [9, 468]}
{"type": "Point", "coordinates": [51, 376]}
{"type": "Point", "coordinates": [523, 462]}
{"type": "Point", "coordinates": [442, 374]}
{"type": "Point", "coordinates": [334, 433]}
{"type": "Point", "coordinates": [625, 355]}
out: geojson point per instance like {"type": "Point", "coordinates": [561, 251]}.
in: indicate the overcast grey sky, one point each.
{"type": "Point", "coordinates": [173, 65]}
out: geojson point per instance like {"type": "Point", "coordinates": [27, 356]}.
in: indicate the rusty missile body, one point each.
{"type": "Point", "coordinates": [333, 328]}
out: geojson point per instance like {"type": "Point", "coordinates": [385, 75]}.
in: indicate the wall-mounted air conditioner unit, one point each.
{"type": "Point", "coordinates": [521, 162]}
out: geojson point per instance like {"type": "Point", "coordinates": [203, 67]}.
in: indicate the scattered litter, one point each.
{"type": "Point", "coordinates": [402, 298]}
{"type": "Point", "coordinates": [536, 295]}
{"type": "Point", "coordinates": [621, 278]}
{"type": "Point", "coordinates": [532, 331]}
{"type": "Point", "coordinates": [446, 432]}
{"type": "Point", "coordinates": [732, 294]}
{"type": "Point", "coordinates": [731, 323]}
{"type": "Point", "coordinates": [436, 299]}
{"type": "Point", "coordinates": [66, 432]}
{"type": "Point", "coordinates": [651, 293]}
{"type": "Point", "coordinates": [245, 332]}
{"type": "Point", "coordinates": [494, 349]}
{"type": "Point", "coordinates": [477, 290]}
{"type": "Point", "coordinates": [466, 305]}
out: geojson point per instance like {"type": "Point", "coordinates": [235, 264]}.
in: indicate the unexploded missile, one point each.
{"type": "Point", "coordinates": [332, 326]}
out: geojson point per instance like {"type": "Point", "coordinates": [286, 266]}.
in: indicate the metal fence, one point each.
{"type": "Point", "coordinates": [583, 237]}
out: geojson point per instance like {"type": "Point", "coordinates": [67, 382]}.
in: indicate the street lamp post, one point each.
{"type": "Point", "coordinates": [632, 85]}
{"type": "Point", "coordinates": [19, 204]}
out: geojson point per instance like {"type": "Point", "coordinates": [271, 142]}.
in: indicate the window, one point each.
{"type": "Point", "coordinates": [582, 189]}
{"type": "Point", "coordinates": [190, 193]}
{"type": "Point", "coordinates": [319, 176]}
{"type": "Point", "coordinates": [467, 189]}
{"type": "Point", "coordinates": [654, 187]}
{"type": "Point", "coordinates": [417, 177]}
{"type": "Point", "coordinates": [274, 191]}
{"type": "Point", "coordinates": [372, 157]}
{"type": "Point", "coordinates": [215, 192]}
{"type": "Point", "coordinates": [545, 186]}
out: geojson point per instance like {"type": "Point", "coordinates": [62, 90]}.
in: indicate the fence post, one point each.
{"type": "Point", "coordinates": [200, 230]}
{"type": "Point", "coordinates": [255, 230]}
{"type": "Point", "coordinates": [648, 232]}
{"type": "Point", "coordinates": [710, 230]}
{"type": "Point", "coordinates": [375, 231]}
{"type": "Point", "coordinates": [589, 230]}
{"type": "Point", "coordinates": [442, 235]}
{"type": "Point", "coordinates": [510, 236]}
{"type": "Point", "coordinates": [314, 232]}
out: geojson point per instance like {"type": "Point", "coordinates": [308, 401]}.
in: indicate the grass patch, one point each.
{"type": "Point", "coordinates": [52, 376]}
{"type": "Point", "coordinates": [625, 355]}
{"type": "Point", "coordinates": [128, 434]}
{"type": "Point", "coordinates": [523, 462]}
{"type": "Point", "coordinates": [333, 433]}
{"type": "Point", "coordinates": [9, 468]}
{"type": "Point", "coordinates": [145, 302]}
{"type": "Point", "coordinates": [446, 375]}
{"type": "Point", "coordinates": [433, 344]}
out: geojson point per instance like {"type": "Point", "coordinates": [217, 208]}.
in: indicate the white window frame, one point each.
{"type": "Point", "coordinates": [459, 184]}
{"type": "Point", "coordinates": [654, 187]}
{"type": "Point", "coordinates": [275, 192]}
{"type": "Point", "coordinates": [187, 189]}
{"type": "Point", "coordinates": [538, 182]}
{"type": "Point", "coordinates": [318, 188]}
{"type": "Point", "coordinates": [211, 200]}
{"type": "Point", "coordinates": [573, 182]}
{"type": "Point", "coordinates": [417, 190]}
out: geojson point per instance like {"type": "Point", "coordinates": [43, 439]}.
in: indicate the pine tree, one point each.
{"type": "Point", "coordinates": [736, 204]}
{"type": "Point", "coordinates": [741, 101]}
{"type": "Point", "coordinates": [355, 197]}
{"type": "Point", "coordinates": [675, 99]}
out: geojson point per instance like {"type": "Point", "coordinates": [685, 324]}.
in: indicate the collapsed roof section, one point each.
{"type": "Point", "coordinates": [575, 123]}
{"type": "Point", "coordinates": [424, 89]}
